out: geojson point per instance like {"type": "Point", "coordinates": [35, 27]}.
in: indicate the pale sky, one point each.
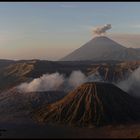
{"type": "Point", "coordinates": [51, 30]}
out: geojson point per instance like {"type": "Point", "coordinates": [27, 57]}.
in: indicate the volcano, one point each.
{"type": "Point", "coordinates": [103, 48]}
{"type": "Point", "coordinates": [91, 104]}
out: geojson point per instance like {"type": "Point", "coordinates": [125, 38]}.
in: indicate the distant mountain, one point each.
{"type": "Point", "coordinates": [91, 104]}
{"type": "Point", "coordinates": [103, 48]}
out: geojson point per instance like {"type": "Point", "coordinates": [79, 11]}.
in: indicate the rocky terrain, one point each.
{"type": "Point", "coordinates": [92, 104]}
{"type": "Point", "coordinates": [16, 105]}
{"type": "Point", "coordinates": [26, 70]}
{"type": "Point", "coordinates": [114, 72]}
{"type": "Point", "coordinates": [5, 62]}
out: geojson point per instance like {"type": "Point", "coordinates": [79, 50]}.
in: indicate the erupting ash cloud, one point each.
{"type": "Point", "coordinates": [56, 81]}
{"type": "Point", "coordinates": [132, 84]}
{"type": "Point", "coordinates": [101, 30]}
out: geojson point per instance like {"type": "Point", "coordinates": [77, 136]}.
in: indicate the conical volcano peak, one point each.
{"type": "Point", "coordinates": [102, 42]}
{"type": "Point", "coordinates": [89, 85]}
{"type": "Point", "coordinates": [98, 88]}
{"type": "Point", "coordinates": [104, 39]}
{"type": "Point", "coordinates": [96, 84]}
{"type": "Point", "coordinates": [102, 48]}
{"type": "Point", "coordinates": [91, 104]}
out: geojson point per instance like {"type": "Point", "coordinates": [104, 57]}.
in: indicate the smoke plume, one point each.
{"type": "Point", "coordinates": [132, 83]}
{"type": "Point", "coordinates": [56, 81]}
{"type": "Point", "coordinates": [76, 78]}
{"type": "Point", "coordinates": [101, 30]}
{"type": "Point", "coordinates": [44, 83]}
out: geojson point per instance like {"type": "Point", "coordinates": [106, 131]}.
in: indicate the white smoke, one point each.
{"type": "Point", "coordinates": [101, 30]}
{"type": "Point", "coordinates": [44, 83]}
{"type": "Point", "coordinates": [76, 78]}
{"type": "Point", "coordinates": [56, 81]}
{"type": "Point", "coordinates": [132, 83]}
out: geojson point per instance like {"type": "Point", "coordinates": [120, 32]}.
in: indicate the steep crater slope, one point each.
{"type": "Point", "coordinates": [91, 104]}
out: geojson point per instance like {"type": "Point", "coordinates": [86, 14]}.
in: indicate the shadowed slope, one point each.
{"type": "Point", "coordinates": [92, 104]}
{"type": "Point", "coordinates": [15, 104]}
